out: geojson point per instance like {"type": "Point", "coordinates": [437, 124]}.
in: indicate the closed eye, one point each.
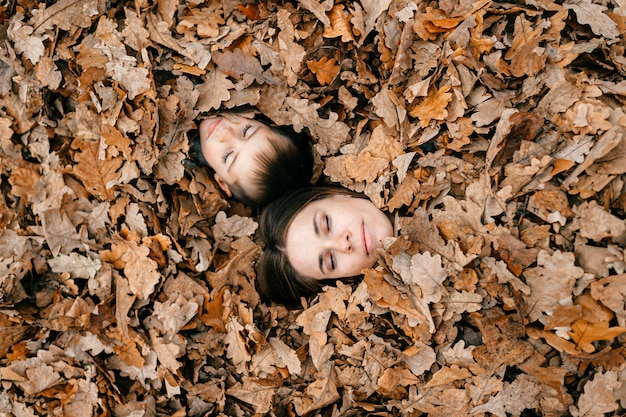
{"type": "Point", "coordinates": [327, 223]}
{"type": "Point", "coordinates": [332, 264]}
{"type": "Point", "coordinates": [246, 128]}
{"type": "Point", "coordinates": [226, 155]}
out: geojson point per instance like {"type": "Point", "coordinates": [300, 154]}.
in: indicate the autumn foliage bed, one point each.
{"type": "Point", "coordinates": [494, 131]}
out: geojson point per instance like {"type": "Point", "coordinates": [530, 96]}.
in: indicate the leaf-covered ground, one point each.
{"type": "Point", "coordinates": [494, 131]}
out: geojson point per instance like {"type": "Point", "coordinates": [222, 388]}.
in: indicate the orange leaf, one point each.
{"type": "Point", "coordinates": [129, 354]}
{"type": "Point", "coordinates": [339, 24]}
{"type": "Point", "coordinates": [250, 10]}
{"type": "Point", "coordinates": [325, 69]}
{"type": "Point", "coordinates": [95, 173]}
{"type": "Point", "coordinates": [585, 333]}
{"type": "Point", "coordinates": [433, 107]}
{"type": "Point", "coordinates": [442, 25]}
{"type": "Point", "coordinates": [561, 165]}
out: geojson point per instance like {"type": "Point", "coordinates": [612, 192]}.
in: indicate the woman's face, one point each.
{"type": "Point", "coordinates": [336, 237]}
{"type": "Point", "coordinates": [231, 145]}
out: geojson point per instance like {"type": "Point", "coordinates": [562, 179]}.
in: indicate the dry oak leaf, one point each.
{"type": "Point", "coordinates": [433, 107]}
{"type": "Point", "coordinates": [28, 44]}
{"type": "Point", "coordinates": [173, 314]}
{"type": "Point", "coordinates": [405, 193]}
{"type": "Point", "coordinates": [60, 232]}
{"type": "Point", "coordinates": [83, 400]}
{"type": "Point", "coordinates": [134, 33]}
{"type": "Point", "coordinates": [287, 355]}
{"type": "Point", "coordinates": [551, 283]}
{"type": "Point", "coordinates": [611, 292]}
{"type": "Point", "coordinates": [27, 183]}
{"type": "Point", "coordinates": [325, 69]}
{"type": "Point", "coordinates": [135, 81]}
{"type": "Point", "coordinates": [372, 10]}
{"type": "Point", "coordinates": [78, 266]}
{"type": "Point", "coordinates": [420, 357]}
{"type": "Point", "coordinates": [213, 91]}
{"type": "Point", "coordinates": [594, 15]}
{"type": "Point", "coordinates": [395, 377]}
{"type": "Point", "coordinates": [257, 392]}
{"type": "Point", "coordinates": [65, 15]}
{"type": "Point", "coordinates": [514, 398]}
{"type": "Point", "coordinates": [595, 223]}
{"type": "Point", "coordinates": [447, 375]}
{"type": "Point", "coordinates": [428, 274]}
{"type": "Point", "coordinates": [95, 173]}
{"type": "Point", "coordinates": [166, 352]}
{"type": "Point", "coordinates": [236, 345]}
{"type": "Point", "coordinates": [38, 377]}
{"type": "Point", "coordinates": [585, 118]}
{"type": "Point", "coordinates": [251, 11]}
{"type": "Point", "coordinates": [161, 33]}
{"type": "Point", "coordinates": [318, 8]}
{"type": "Point", "coordinates": [585, 333]}
{"type": "Point", "coordinates": [330, 132]}
{"type": "Point", "coordinates": [601, 148]}
{"type": "Point", "coordinates": [598, 397]}
{"type": "Point", "coordinates": [291, 52]}
{"type": "Point", "coordinates": [363, 167]}
{"type": "Point", "coordinates": [385, 107]}
{"type": "Point", "coordinates": [207, 22]}
{"type": "Point", "coordinates": [314, 321]}
{"type": "Point", "coordinates": [129, 354]}
{"type": "Point", "coordinates": [244, 67]}
{"type": "Point", "coordinates": [140, 270]}
{"type": "Point", "coordinates": [526, 57]}
{"type": "Point", "coordinates": [550, 205]}
{"type": "Point", "coordinates": [595, 260]}
{"type": "Point", "coordinates": [320, 393]}
{"type": "Point", "coordinates": [339, 24]}
{"type": "Point", "coordinates": [48, 73]}
{"type": "Point", "coordinates": [387, 296]}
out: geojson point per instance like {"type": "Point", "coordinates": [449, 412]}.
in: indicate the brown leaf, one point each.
{"type": "Point", "coordinates": [525, 55]}
{"type": "Point", "coordinates": [585, 333]}
{"type": "Point", "coordinates": [140, 270]}
{"type": "Point", "coordinates": [94, 172]}
{"type": "Point", "coordinates": [325, 69]}
{"type": "Point", "coordinates": [243, 67]}
{"type": "Point", "coordinates": [339, 24]}
{"type": "Point", "coordinates": [256, 392]}
{"type": "Point", "coordinates": [433, 107]}
{"type": "Point", "coordinates": [598, 397]}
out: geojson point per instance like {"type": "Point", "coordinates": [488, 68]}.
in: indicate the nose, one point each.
{"type": "Point", "coordinates": [225, 134]}
{"type": "Point", "coordinates": [342, 242]}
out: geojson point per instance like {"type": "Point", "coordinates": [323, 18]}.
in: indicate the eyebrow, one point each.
{"type": "Point", "coordinates": [320, 261]}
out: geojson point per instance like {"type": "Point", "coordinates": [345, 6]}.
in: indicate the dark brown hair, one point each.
{"type": "Point", "coordinates": [277, 280]}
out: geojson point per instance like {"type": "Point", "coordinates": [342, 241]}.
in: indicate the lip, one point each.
{"type": "Point", "coordinates": [367, 239]}
{"type": "Point", "coordinates": [213, 126]}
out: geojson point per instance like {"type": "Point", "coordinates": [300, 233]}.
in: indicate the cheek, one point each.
{"type": "Point", "coordinates": [355, 264]}
{"type": "Point", "coordinates": [211, 153]}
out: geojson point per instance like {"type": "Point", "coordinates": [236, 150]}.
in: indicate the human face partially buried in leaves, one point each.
{"type": "Point", "coordinates": [336, 237]}
{"type": "Point", "coordinates": [231, 145]}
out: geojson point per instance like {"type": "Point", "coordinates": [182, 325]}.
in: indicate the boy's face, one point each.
{"type": "Point", "coordinates": [231, 145]}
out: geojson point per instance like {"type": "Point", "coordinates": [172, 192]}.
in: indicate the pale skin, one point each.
{"type": "Point", "coordinates": [336, 237]}
{"type": "Point", "coordinates": [230, 144]}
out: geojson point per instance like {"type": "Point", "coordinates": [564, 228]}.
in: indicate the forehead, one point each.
{"type": "Point", "coordinates": [300, 240]}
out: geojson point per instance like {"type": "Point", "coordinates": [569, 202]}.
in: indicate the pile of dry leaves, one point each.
{"type": "Point", "coordinates": [494, 131]}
